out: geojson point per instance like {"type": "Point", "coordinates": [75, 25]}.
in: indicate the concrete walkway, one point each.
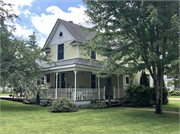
{"type": "Point", "coordinates": [174, 98]}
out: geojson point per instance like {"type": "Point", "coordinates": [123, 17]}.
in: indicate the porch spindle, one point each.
{"type": "Point", "coordinates": [99, 88]}
{"type": "Point", "coordinates": [118, 85]}
{"type": "Point", "coordinates": [56, 85]}
{"type": "Point", "coordinates": [75, 72]}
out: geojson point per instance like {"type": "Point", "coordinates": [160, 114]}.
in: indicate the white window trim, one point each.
{"type": "Point", "coordinates": [125, 79]}
{"type": "Point", "coordinates": [57, 51]}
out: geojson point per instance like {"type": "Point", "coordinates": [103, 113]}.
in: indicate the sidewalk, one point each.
{"type": "Point", "coordinates": [174, 98]}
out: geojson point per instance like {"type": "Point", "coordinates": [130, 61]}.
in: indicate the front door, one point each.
{"type": "Point", "coordinates": [108, 88]}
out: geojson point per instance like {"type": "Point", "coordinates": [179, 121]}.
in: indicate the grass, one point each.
{"type": "Point", "coordinates": [174, 97]}
{"type": "Point", "coordinates": [7, 93]}
{"type": "Point", "coordinates": [20, 118]}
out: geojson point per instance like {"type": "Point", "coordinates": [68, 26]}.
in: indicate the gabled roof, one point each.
{"type": "Point", "coordinates": [78, 33]}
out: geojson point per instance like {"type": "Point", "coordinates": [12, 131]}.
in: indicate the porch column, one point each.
{"type": "Point", "coordinates": [75, 72]}
{"type": "Point", "coordinates": [56, 85]}
{"type": "Point", "coordinates": [98, 87]}
{"type": "Point", "coordinates": [118, 85]}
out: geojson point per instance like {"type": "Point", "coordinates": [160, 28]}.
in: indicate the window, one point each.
{"type": "Point", "coordinates": [93, 80]}
{"type": "Point", "coordinates": [109, 81]}
{"type": "Point", "coordinates": [63, 80]}
{"type": "Point", "coordinates": [60, 34]}
{"type": "Point", "coordinates": [60, 51]}
{"type": "Point", "coordinates": [93, 55]}
{"type": "Point", "coordinates": [127, 80]}
{"type": "Point", "coordinates": [48, 78]}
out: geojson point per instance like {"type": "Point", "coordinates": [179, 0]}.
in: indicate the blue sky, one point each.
{"type": "Point", "coordinates": [41, 15]}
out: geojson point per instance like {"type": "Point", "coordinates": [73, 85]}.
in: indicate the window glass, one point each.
{"type": "Point", "coordinates": [93, 80]}
{"type": "Point", "coordinates": [48, 78]}
{"type": "Point", "coordinates": [60, 51]}
{"type": "Point", "coordinates": [93, 55]}
{"type": "Point", "coordinates": [127, 80]}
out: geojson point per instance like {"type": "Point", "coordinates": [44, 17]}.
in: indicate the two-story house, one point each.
{"type": "Point", "coordinates": [72, 75]}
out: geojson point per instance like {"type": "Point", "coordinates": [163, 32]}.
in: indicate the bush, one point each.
{"type": "Point", "coordinates": [164, 97]}
{"type": "Point", "coordinates": [97, 105]}
{"type": "Point", "coordinates": [62, 105]}
{"type": "Point", "coordinates": [29, 101]}
{"type": "Point", "coordinates": [138, 95]}
{"type": "Point", "coordinates": [174, 93]}
{"type": "Point", "coordinates": [46, 103]}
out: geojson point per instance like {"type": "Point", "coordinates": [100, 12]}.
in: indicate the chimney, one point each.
{"type": "Point", "coordinates": [71, 21]}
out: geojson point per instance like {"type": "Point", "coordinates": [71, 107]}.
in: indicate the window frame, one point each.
{"type": "Point", "coordinates": [58, 52]}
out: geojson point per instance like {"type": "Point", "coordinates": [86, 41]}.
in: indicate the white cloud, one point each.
{"type": "Point", "coordinates": [41, 41]}
{"type": "Point", "coordinates": [44, 23]}
{"type": "Point", "coordinates": [18, 4]}
{"type": "Point", "coordinates": [22, 31]}
{"type": "Point", "coordinates": [26, 13]}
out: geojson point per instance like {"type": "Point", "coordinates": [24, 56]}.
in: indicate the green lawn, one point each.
{"type": "Point", "coordinates": [5, 94]}
{"type": "Point", "coordinates": [20, 118]}
{"type": "Point", "coordinates": [173, 105]}
{"type": "Point", "coordinates": [174, 97]}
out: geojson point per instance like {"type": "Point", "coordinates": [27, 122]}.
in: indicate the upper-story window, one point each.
{"type": "Point", "coordinates": [93, 55]}
{"type": "Point", "coordinates": [60, 34]}
{"type": "Point", "coordinates": [60, 51]}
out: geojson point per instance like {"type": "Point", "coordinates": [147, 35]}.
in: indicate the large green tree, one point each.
{"type": "Point", "coordinates": [19, 57]}
{"type": "Point", "coordinates": [135, 35]}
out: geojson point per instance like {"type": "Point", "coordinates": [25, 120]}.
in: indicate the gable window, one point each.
{"type": "Point", "coordinates": [93, 80]}
{"type": "Point", "coordinates": [60, 51]}
{"type": "Point", "coordinates": [127, 80]}
{"type": "Point", "coordinates": [93, 55]}
{"type": "Point", "coordinates": [60, 34]}
{"type": "Point", "coordinates": [48, 78]}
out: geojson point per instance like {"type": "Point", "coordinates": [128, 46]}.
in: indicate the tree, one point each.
{"type": "Point", "coordinates": [135, 35]}
{"type": "Point", "coordinates": [19, 57]}
{"type": "Point", "coordinates": [144, 80]}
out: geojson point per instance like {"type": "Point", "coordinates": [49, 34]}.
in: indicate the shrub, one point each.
{"type": "Point", "coordinates": [38, 98]}
{"type": "Point", "coordinates": [164, 97]}
{"type": "Point", "coordinates": [138, 95]}
{"type": "Point", "coordinates": [174, 93]}
{"type": "Point", "coordinates": [29, 101]}
{"type": "Point", "coordinates": [97, 105]}
{"type": "Point", "coordinates": [62, 105]}
{"type": "Point", "coordinates": [46, 103]}
{"type": "Point", "coordinates": [144, 80]}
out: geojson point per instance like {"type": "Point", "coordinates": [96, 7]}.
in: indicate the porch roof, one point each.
{"type": "Point", "coordinates": [74, 61]}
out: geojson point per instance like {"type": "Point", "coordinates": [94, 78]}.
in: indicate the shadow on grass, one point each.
{"type": "Point", "coordinates": [11, 106]}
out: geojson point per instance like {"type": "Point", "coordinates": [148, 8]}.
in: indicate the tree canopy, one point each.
{"type": "Point", "coordinates": [135, 35]}
{"type": "Point", "coordinates": [19, 57]}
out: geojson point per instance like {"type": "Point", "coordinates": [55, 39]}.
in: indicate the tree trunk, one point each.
{"type": "Point", "coordinates": [158, 100]}
{"type": "Point", "coordinates": [3, 89]}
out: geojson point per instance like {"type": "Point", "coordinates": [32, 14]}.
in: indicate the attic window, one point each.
{"type": "Point", "coordinates": [60, 34]}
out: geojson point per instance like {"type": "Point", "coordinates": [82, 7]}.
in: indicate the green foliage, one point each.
{"type": "Point", "coordinates": [144, 80]}
{"type": "Point", "coordinates": [29, 101]}
{"type": "Point", "coordinates": [142, 34]}
{"type": "Point", "coordinates": [97, 105]}
{"type": "Point", "coordinates": [138, 95]}
{"type": "Point", "coordinates": [62, 105]}
{"type": "Point", "coordinates": [46, 103]}
{"type": "Point", "coordinates": [174, 93]}
{"type": "Point", "coordinates": [164, 97]}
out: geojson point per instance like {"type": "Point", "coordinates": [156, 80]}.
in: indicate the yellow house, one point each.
{"type": "Point", "coordinates": [71, 75]}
